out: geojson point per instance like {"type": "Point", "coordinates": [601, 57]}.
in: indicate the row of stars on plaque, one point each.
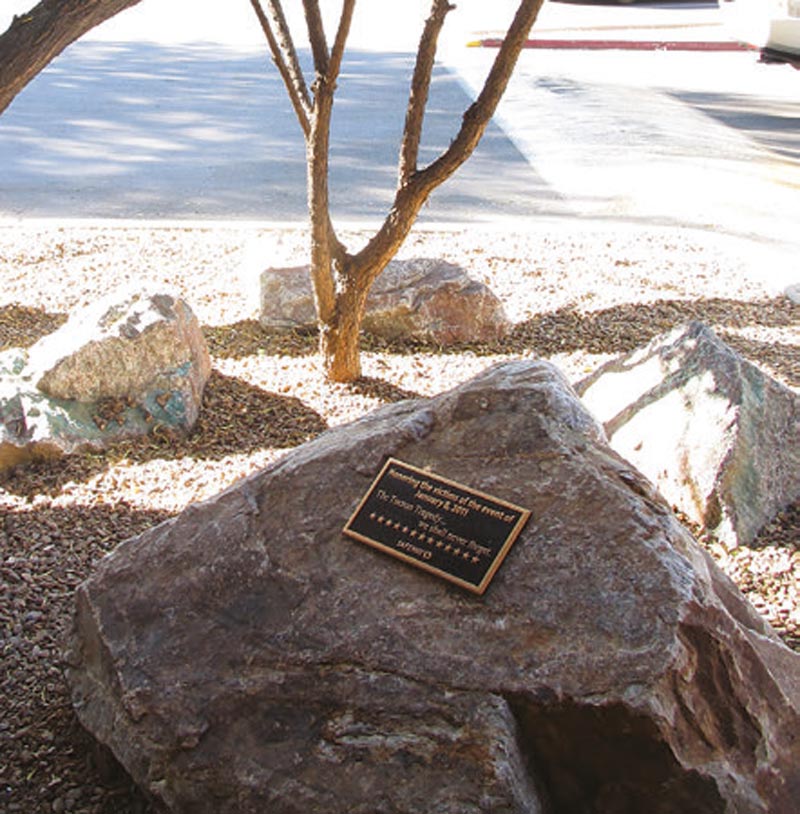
{"type": "Point", "coordinates": [422, 537]}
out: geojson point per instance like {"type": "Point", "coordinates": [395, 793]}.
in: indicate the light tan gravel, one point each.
{"type": "Point", "coordinates": [577, 295]}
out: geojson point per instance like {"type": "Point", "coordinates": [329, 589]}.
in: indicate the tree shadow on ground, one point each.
{"type": "Point", "coordinates": [47, 551]}
{"type": "Point", "coordinates": [239, 418]}
{"type": "Point", "coordinates": [623, 328]}
{"type": "Point", "coordinates": [382, 390]}
{"type": "Point", "coordinates": [618, 329]}
{"type": "Point", "coordinates": [236, 418]}
{"type": "Point", "coordinates": [771, 123]}
{"type": "Point", "coordinates": [249, 338]}
{"type": "Point", "coordinates": [782, 358]}
{"type": "Point", "coordinates": [22, 326]}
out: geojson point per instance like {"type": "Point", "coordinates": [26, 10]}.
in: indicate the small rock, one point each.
{"type": "Point", "coordinates": [127, 346]}
{"type": "Point", "coordinates": [423, 298]}
{"type": "Point", "coordinates": [115, 370]}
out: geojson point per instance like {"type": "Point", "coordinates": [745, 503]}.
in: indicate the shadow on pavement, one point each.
{"type": "Point", "coordinates": [772, 123]}
{"type": "Point", "coordinates": [145, 130]}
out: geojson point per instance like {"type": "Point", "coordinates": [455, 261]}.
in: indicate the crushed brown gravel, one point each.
{"type": "Point", "coordinates": [576, 296]}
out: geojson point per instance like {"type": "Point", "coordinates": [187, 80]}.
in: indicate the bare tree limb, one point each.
{"type": "Point", "coordinates": [367, 264]}
{"type": "Point", "coordinates": [286, 42]}
{"type": "Point", "coordinates": [322, 239]}
{"type": "Point", "coordinates": [285, 58]}
{"type": "Point", "coordinates": [336, 249]}
{"type": "Point", "coordinates": [317, 38]}
{"type": "Point", "coordinates": [341, 39]}
{"type": "Point", "coordinates": [478, 115]}
{"type": "Point", "coordinates": [412, 195]}
{"type": "Point", "coordinates": [420, 87]}
{"type": "Point", "coordinates": [328, 254]}
{"type": "Point", "coordinates": [34, 39]}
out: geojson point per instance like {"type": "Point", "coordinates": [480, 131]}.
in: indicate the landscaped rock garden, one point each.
{"type": "Point", "coordinates": [576, 298]}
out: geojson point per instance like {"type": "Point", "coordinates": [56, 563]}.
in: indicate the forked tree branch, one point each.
{"type": "Point", "coordinates": [341, 40]}
{"type": "Point", "coordinates": [420, 87]}
{"type": "Point", "coordinates": [284, 56]}
{"type": "Point", "coordinates": [336, 248]}
{"type": "Point", "coordinates": [478, 115]}
{"type": "Point", "coordinates": [317, 38]}
{"type": "Point", "coordinates": [413, 194]}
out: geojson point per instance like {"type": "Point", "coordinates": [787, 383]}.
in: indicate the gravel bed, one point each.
{"type": "Point", "coordinates": [576, 297]}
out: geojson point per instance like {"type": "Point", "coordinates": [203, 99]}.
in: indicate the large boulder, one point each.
{"type": "Point", "coordinates": [114, 370]}
{"type": "Point", "coordinates": [246, 657]}
{"type": "Point", "coordinates": [718, 437]}
{"type": "Point", "coordinates": [422, 298]}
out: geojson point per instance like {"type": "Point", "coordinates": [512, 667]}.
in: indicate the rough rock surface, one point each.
{"type": "Point", "coordinates": [116, 369]}
{"type": "Point", "coordinates": [246, 657]}
{"type": "Point", "coordinates": [717, 436]}
{"type": "Point", "coordinates": [420, 298]}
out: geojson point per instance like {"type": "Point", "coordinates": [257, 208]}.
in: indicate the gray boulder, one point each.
{"type": "Point", "coordinates": [115, 370]}
{"type": "Point", "coordinates": [246, 657]}
{"type": "Point", "coordinates": [718, 437]}
{"type": "Point", "coordinates": [422, 299]}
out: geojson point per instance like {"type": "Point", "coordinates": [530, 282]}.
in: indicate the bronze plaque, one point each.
{"type": "Point", "coordinates": [438, 525]}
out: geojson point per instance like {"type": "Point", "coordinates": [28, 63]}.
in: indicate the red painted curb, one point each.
{"type": "Point", "coordinates": [624, 45]}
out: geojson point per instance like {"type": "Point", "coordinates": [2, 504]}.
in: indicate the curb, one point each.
{"type": "Point", "coordinates": [621, 45]}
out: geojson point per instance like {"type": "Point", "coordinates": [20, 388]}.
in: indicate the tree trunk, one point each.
{"type": "Point", "coordinates": [326, 262]}
{"type": "Point", "coordinates": [34, 39]}
{"type": "Point", "coordinates": [339, 296]}
{"type": "Point", "coordinates": [339, 336]}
